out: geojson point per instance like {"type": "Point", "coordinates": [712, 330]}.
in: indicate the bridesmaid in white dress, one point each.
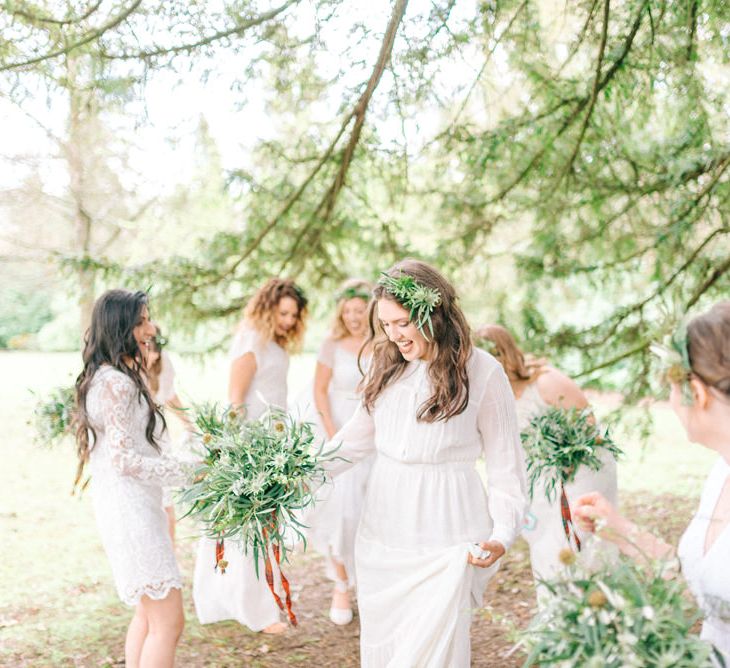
{"type": "Point", "coordinates": [704, 550]}
{"type": "Point", "coordinates": [537, 388]}
{"type": "Point", "coordinates": [161, 381]}
{"type": "Point", "coordinates": [334, 520]}
{"type": "Point", "coordinates": [430, 536]}
{"type": "Point", "coordinates": [118, 422]}
{"type": "Point", "coordinates": [273, 325]}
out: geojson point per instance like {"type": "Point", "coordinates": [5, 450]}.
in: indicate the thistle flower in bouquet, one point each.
{"type": "Point", "coordinates": [560, 441]}
{"type": "Point", "coordinates": [53, 416]}
{"type": "Point", "coordinates": [621, 617]}
{"type": "Point", "coordinates": [213, 423]}
{"type": "Point", "coordinates": [259, 474]}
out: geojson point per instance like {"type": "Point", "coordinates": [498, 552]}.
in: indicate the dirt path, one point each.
{"type": "Point", "coordinates": [508, 604]}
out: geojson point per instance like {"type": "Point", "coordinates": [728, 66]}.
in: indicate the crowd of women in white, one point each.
{"type": "Point", "coordinates": [407, 518]}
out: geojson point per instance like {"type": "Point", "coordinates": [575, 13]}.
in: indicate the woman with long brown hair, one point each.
{"type": "Point", "coordinates": [538, 387]}
{"type": "Point", "coordinates": [700, 396]}
{"type": "Point", "coordinates": [337, 382]}
{"type": "Point", "coordinates": [272, 327]}
{"type": "Point", "coordinates": [430, 536]}
{"type": "Point", "coordinates": [118, 430]}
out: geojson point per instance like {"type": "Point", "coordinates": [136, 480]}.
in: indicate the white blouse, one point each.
{"type": "Point", "coordinates": [707, 573]}
{"type": "Point", "coordinates": [268, 386]}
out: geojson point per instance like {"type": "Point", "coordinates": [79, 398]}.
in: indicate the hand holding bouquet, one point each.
{"type": "Point", "coordinates": [53, 417]}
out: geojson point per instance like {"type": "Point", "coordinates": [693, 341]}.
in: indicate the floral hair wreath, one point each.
{"type": "Point", "coordinates": [674, 357]}
{"type": "Point", "coordinates": [483, 343]}
{"type": "Point", "coordinates": [418, 298]}
{"type": "Point", "coordinates": [352, 293]}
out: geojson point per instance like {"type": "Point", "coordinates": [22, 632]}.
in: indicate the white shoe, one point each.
{"type": "Point", "coordinates": [341, 616]}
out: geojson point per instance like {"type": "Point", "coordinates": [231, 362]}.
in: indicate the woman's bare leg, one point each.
{"type": "Point", "coordinates": [166, 621]}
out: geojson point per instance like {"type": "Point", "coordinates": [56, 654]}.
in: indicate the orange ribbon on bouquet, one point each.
{"type": "Point", "coordinates": [568, 525]}
{"type": "Point", "coordinates": [221, 563]}
{"type": "Point", "coordinates": [284, 582]}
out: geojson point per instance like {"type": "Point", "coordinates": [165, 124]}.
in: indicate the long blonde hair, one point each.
{"type": "Point", "coordinates": [452, 348]}
{"type": "Point", "coordinates": [350, 289]}
{"type": "Point", "coordinates": [516, 364]}
{"type": "Point", "coordinates": [260, 313]}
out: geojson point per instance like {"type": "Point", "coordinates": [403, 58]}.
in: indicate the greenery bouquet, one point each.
{"type": "Point", "coordinates": [53, 416]}
{"type": "Point", "coordinates": [557, 443]}
{"type": "Point", "coordinates": [255, 478]}
{"type": "Point", "coordinates": [622, 617]}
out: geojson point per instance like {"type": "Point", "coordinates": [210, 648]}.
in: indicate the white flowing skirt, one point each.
{"type": "Point", "coordinates": [416, 590]}
{"type": "Point", "coordinates": [238, 593]}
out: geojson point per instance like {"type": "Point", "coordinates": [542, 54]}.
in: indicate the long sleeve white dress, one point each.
{"type": "Point", "coordinates": [127, 475]}
{"type": "Point", "coordinates": [543, 530]}
{"type": "Point", "coordinates": [333, 522]}
{"type": "Point", "coordinates": [165, 392]}
{"type": "Point", "coordinates": [707, 573]}
{"type": "Point", "coordinates": [425, 506]}
{"type": "Point", "coordinates": [238, 593]}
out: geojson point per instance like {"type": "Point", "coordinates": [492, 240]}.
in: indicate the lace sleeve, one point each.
{"type": "Point", "coordinates": [356, 439]}
{"type": "Point", "coordinates": [117, 397]}
{"type": "Point", "coordinates": [504, 457]}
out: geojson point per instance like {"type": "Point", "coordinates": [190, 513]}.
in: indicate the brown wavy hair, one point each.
{"type": "Point", "coordinates": [451, 348]}
{"type": "Point", "coordinates": [110, 341]}
{"type": "Point", "coordinates": [260, 312]}
{"type": "Point", "coordinates": [517, 365]}
{"type": "Point", "coordinates": [339, 329]}
{"type": "Point", "coordinates": [708, 346]}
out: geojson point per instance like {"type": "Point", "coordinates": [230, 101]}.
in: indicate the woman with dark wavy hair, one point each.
{"type": "Point", "coordinates": [430, 536]}
{"type": "Point", "coordinates": [118, 430]}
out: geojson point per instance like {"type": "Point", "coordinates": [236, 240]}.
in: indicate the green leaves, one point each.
{"type": "Point", "coordinates": [558, 442]}
{"type": "Point", "coordinates": [53, 416]}
{"type": "Point", "coordinates": [419, 299]}
{"type": "Point", "coordinates": [255, 477]}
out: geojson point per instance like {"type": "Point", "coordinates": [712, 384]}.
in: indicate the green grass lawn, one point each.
{"type": "Point", "coordinates": [58, 605]}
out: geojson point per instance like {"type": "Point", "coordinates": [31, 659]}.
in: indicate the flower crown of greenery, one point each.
{"type": "Point", "coordinates": [418, 298]}
{"type": "Point", "coordinates": [674, 357]}
{"type": "Point", "coordinates": [352, 293]}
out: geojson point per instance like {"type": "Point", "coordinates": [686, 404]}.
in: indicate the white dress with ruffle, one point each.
{"type": "Point", "coordinates": [239, 594]}
{"type": "Point", "coordinates": [425, 506]}
{"type": "Point", "coordinates": [543, 530]}
{"type": "Point", "coordinates": [707, 572]}
{"type": "Point", "coordinates": [333, 522]}
{"type": "Point", "coordinates": [127, 476]}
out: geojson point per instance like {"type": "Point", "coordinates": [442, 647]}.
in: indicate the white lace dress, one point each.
{"type": "Point", "coordinates": [334, 520]}
{"type": "Point", "coordinates": [543, 526]}
{"type": "Point", "coordinates": [425, 506]}
{"type": "Point", "coordinates": [238, 593]}
{"type": "Point", "coordinates": [707, 573]}
{"type": "Point", "coordinates": [127, 475]}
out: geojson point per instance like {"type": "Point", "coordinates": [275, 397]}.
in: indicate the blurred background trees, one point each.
{"type": "Point", "coordinates": [566, 163]}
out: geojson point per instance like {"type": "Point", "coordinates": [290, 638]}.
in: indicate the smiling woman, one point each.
{"type": "Point", "coordinates": [429, 536]}
{"type": "Point", "coordinates": [118, 431]}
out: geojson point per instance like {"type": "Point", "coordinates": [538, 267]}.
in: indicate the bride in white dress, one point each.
{"type": "Point", "coordinates": [537, 388]}
{"type": "Point", "coordinates": [704, 550]}
{"type": "Point", "coordinates": [334, 520]}
{"type": "Point", "coordinates": [118, 422]}
{"type": "Point", "coordinates": [273, 324]}
{"type": "Point", "coordinates": [430, 536]}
